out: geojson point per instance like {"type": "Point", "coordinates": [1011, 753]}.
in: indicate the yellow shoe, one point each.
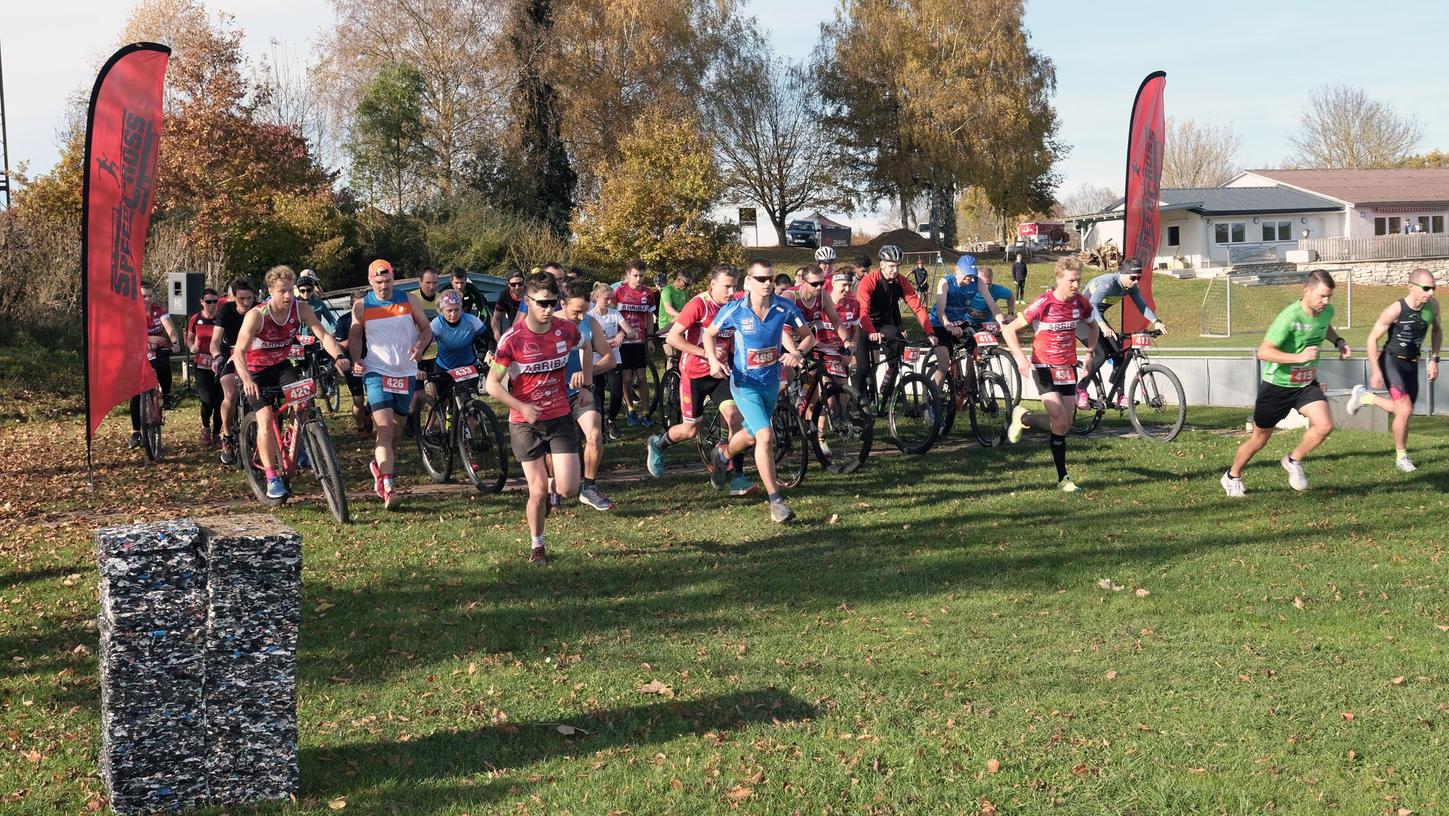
{"type": "Point", "coordinates": [1013, 433]}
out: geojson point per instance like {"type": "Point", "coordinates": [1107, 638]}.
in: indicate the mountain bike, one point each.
{"type": "Point", "coordinates": [461, 429]}
{"type": "Point", "coordinates": [913, 409]}
{"type": "Point", "coordinates": [152, 418]}
{"type": "Point", "coordinates": [792, 448]}
{"type": "Point", "coordinates": [297, 427]}
{"type": "Point", "coordinates": [1154, 400]}
{"type": "Point", "coordinates": [970, 383]}
{"type": "Point", "coordinates": [841, 425]}
{"type": "Point", "coordinates": [315, 365]}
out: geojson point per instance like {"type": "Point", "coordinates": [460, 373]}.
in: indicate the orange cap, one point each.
{"type": "Point", "coordinates": [378, 265]}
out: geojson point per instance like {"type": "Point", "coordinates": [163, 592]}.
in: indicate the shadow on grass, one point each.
{"type": "Point", "coordinates": [410, 766]}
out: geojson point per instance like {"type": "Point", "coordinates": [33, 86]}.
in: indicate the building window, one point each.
{"type": "Point", "coordinates": [1390, 225]}
{"type": "Point", "coordinates": [1431, 223]}
{"type": "Point", "coordinates": [1174, 236]}
{"type": "Point", "coordinates": [1235, 232]}
{"type": "Point", "coordinates": [1277, 231]}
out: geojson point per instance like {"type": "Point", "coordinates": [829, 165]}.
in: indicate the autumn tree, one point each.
{"type": "Point", "coordinates": [1342, 127]}
{"type": "Point", "coordinates": [1434, 158]}
{"type": "Point", "coordinates": [771, 149]}
{"type": "Point", "coordinates": [1199, 154]}
{"type": "Point", "coordinates": [654, 201]}
{"type": "Point", "coordinates": [386, 147]}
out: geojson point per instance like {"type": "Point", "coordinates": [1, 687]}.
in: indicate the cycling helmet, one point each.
{"type": "Point", "coordinates": [307, 276]}
{"type": "Point", "coordinates": [825, 254]}
{"type": "Point", "coordinates": [891, 252]}
{"type": "Point", "coordinates": [1130, 265]}
{"type": "Point", "coordinates": [966, 265]}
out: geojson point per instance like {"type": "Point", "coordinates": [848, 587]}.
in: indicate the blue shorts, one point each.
{"type": "Point", "coordinates": [756, 403]}
{"type": "Point", "coordinates": [378, 399]}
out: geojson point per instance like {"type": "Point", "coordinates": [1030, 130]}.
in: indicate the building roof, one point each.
{"type": "Point", "coordinates": [1401, 185]}
{"type": "Point", "coordinates": [1227, 201]}
{"type": "Point", "coordinates": [824, 221]}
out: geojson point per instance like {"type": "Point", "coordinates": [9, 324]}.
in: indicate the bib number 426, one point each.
{"type": "Point", "coordinates": [396, 385]}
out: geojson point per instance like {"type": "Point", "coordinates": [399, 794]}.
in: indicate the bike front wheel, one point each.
{"type": "Point", "coordinates": [915, 414]}
{"type": "Point", "coordinates": [990, 409]}
{"type": "Point", "coordinates": [1157, 404]}
{"type": "Point", "coordinates": [792, 451]}
{"type": "Point", "coordinates": [481, 448]}
{"type": "Point", "coordinates": [1086, 420]}
{"type": "Point", "coordinates": [843, 427]}
{"type": "Point", "coordinates": [433, 436]}
{"type": "Point", "coordinates": [323, 457]}
{"type": "Point", "coordinates": [151, 419]}
{"type": "Point", "coordinates": [249, 457]}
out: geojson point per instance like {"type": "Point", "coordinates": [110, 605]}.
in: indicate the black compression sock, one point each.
{"type": "Point", "coordinates": [1059, 455]}
{"type": "Point", "coordinates": [738, 463]}
{"type": "Point", "coordinates": [664, 440]}
{"type": "Point", "coordinates": [776, 496]}
{"type": "Point", "coordinates": [588, 482]}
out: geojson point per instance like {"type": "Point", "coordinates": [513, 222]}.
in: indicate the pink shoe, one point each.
{"type": "Point", "coordinates": [1082, 403]}
{"type": "Point", "coordinates": [377, 480]}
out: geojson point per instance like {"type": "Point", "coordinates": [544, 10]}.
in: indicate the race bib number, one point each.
{"type": "Point", "coordinates": [985, 338]}
{"type": "Point", "coordinates": [306, 340]}
{"type": "Point", "coordinates": [463, 374]}
{"type": "Point", "coordinates": [205, 360]}
{"type": "Point", "coordinates": [397, 385]}
{"type": "Point", "coordinates": [835, 367]}
{"type": "Point", "coordinates": [1302, 375]}
{"type": "Point", "coordinates": [296, 353]}
{"type": "Point", "coordinates": [299, 391]}
{"type": "Point", "coordinates": [150, 354]}
{"type": "Point", "coordinates": [1064, 375]}
{"type": "Point", "coordinates": [1140, 340]}
{"type": "Point", "coordinates": [991, 326]}
{"type": "Point", "coordinates": [910, 354]}
{"type": "Point", "coordinates": [761, 358]}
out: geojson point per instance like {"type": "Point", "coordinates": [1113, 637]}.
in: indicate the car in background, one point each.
{"type": "Point", "coordinates": [802, 233]}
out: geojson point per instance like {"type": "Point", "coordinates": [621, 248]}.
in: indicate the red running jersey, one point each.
{"type": "Point", "coordinates": [848, 309]}
{"type": "Point", "coordinates": [636, 305]}
{"type": "Point", "coordinates": [537, 366]}
{"type": "Point", "coordinates": [202, 328]}
{"type": "Point", "coordinates": [1055, 323]}
{"type": "Point", "coordinates": [696, 314]}
{"type": "Point", "coordinates": [274, 340]}
{"type": "Point", "coordinates": [154, 317]}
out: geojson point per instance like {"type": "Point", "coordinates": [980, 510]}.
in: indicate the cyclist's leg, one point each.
{"type": "Point", "coordinates": [893, 358]}
{"type": "Point", "coordinates": [266, 442]}
{"type": "Point", "coordinates": [208, 391]}
{"type": "Point", "coordinates": [162, 366]}
{"type": "Point", "coordinates": [863, 356]}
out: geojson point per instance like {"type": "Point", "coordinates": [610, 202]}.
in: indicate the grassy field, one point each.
{"type": "Point", "coordinates": [940, 634]}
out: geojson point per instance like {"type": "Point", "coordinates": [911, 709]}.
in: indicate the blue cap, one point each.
{"type": "Point", "coordinates": [966, 265]}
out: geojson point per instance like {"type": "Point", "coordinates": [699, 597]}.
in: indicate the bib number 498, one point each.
{"type": "Point", "coordinates": [760, 358]}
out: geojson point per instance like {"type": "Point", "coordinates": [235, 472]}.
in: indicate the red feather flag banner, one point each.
{"type": "Point", "coordinates": [1145, 142]}
{"type": "Point", "coordinates": [123, 136]}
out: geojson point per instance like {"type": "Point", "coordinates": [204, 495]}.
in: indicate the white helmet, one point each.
{"type": "Point", "coordinates": [825, 254]}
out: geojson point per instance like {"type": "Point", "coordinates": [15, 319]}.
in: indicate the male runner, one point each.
{"type": "Point", "coordinates": [1405, 321]}
{"type": "Point", "coordinates": [582, 405]}
{"type": "Point", "coordinates": [534, 356]}
{"type": "Point", "coordinates": [228, 327]}
{"type": "Point", "coordinates": [508, 307]}
{"type": "Point", "coordinates": [1054, 317]}
{"type": "Point", "coordinates": [261, 358]}
{"type": "Point", "coordinates": [697, 381]}
{"type": "Point", "coordinates": [636, 302]}
{"type": "Point", "coordinates": [388, 326]}
{"type": "Point", "coordinates": [1289, 353]}
{"type": "Point", "coordinates": [427, 297]}
{"type": "Point", "coordinates": [474, 303]}
{"type": "Point", "coordinates": [759, 322]}
{"type": "Point", "coordinates": [1102, 291]}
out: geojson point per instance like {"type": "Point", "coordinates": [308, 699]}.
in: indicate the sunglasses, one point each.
{"type": "Point", "coordinates": [305, 290]}
{"type": "Point", "coordinates": [765, 279]}
{"type": "Point", "coordinates": [1134, 277]}
{"type": "Point", "coordinates": [812, 283]}
{"type": "Point", "coordinates": [1425, 288]}
{"type": "Point", "coordinates": [514, 284]}
{"type": "Point", "coordinates": [211, 301]}
{"type": "Point", "coordinates": [547, 303]}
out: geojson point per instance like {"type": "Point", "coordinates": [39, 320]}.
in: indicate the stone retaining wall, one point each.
{"type": "Point", "coordinates": [1381, 273]}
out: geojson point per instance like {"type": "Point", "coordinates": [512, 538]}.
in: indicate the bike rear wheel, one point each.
{"type": "Point", "coordinates": [990, 409]}
{"type": "Point", "coordinates": [914, 414]}
{"type": "Point", "coordinates": [433, 437]}
{"type": "Point", "coordinates": [323, 456]}
{"type": "Point", "coordinates": [792, 452]}
{"type": "Point", "coordinates": [842, 429]}
{"type": "Point", "coordinates": [656, 393]}
{"type": "Point", "coordinates": [669, 393]}
{"type": "Point", "coordinates": [1086, 420]}
{"type": "Point", "coordinates": [1157, 404]}
{"type": "Point", "coordinates": [481, 449]}
{"type": "Point", "coordinates": [328, 383]}
{"type": "Point", "coordinates": [249, 457]}
{"type": "Point", "coordinates": [151, 419]}
{"type": "Point", "coordinates": [711, 433]}
{"type": "Point", "coordinates": [999, 361]}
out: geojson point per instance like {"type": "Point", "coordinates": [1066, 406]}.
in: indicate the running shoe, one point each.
{"type": "Point", "coordinates": [376, 480]}
{"type": "Point", "coordinates": [1405, 464]}
{"type": "Point", "coordinates": [1082, 399]}
{"type": "Point", "coordinates": [1233, 487]}
{"type": "Point", "coordinates": [555, 501]}
{"type": "Point", "coordinates": [741, 485]}
{"type": "Point", "coordinates": [1297, 479]}
{"type": "Point", "coordinates": [135, 441]}
{"type": "Point", "coordinates": [1066, 485]}
{"type": "Point", "coordinates": [646, 422]}
{"type": "Point", "coordinates": [591, 496]}
{"type": "Point", "coordinates": [632, 418]}
{"type": "Point", "coordinates": [390, 497]}
{"type": "Point", "coordinates": [538, 557]}
{"type": "Point", "coordinates": [276, 489]}
{"type": "Point", "coordinates": [1355, 399]}
{"type": "Point", "coordinates": [205, 438]}
{"type": "Point", "coordinates": [654, 458]}
{"type": "Point", "coordinates": [611, 430]}
{"type": "Point", "coordinates": [780, 512]}
{"type": "Point", "coordinates": [1013, 433]}
{"type": "Point", "coordinates": [1121, 401]}
{"type": "Point", "coordinates": [719, 472]}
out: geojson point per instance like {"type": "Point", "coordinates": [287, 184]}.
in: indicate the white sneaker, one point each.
{"type": "Point", "coordinates": [1355, 399]}
{"type": "Point", "coordinates": [1296, 477]}
{"type": "Point", "coordinates": [1405, 464]}
{"type": "Point", "coordinates": [1013, 433]}
{"type": "Point", "coordinates": [1233, 487]}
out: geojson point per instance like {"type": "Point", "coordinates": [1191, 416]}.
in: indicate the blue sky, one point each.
{"type": "Point", "coordinates": [1248, 64]}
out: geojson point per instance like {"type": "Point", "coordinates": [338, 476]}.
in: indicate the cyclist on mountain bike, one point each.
{"type": "Point", "coordinates": [880, 294]}
{"type": "Point", "coordinates": [840, 338]}
{"type": "Point", "coordinates": [1103, 291]}
{"type": "Point", "coordinates": [825, 259]}
{"type": "Point", "coordinates": [960, 305]}
{"type": "Point", "coordinates": [260, 357]}
{"type": "Point", "coordinates": [161, 340]}
{"type": "Point", "coordinates": [223, 340]}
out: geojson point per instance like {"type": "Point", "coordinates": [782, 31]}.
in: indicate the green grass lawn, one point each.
{"type": "Point", "coordinates": [939, 634]}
